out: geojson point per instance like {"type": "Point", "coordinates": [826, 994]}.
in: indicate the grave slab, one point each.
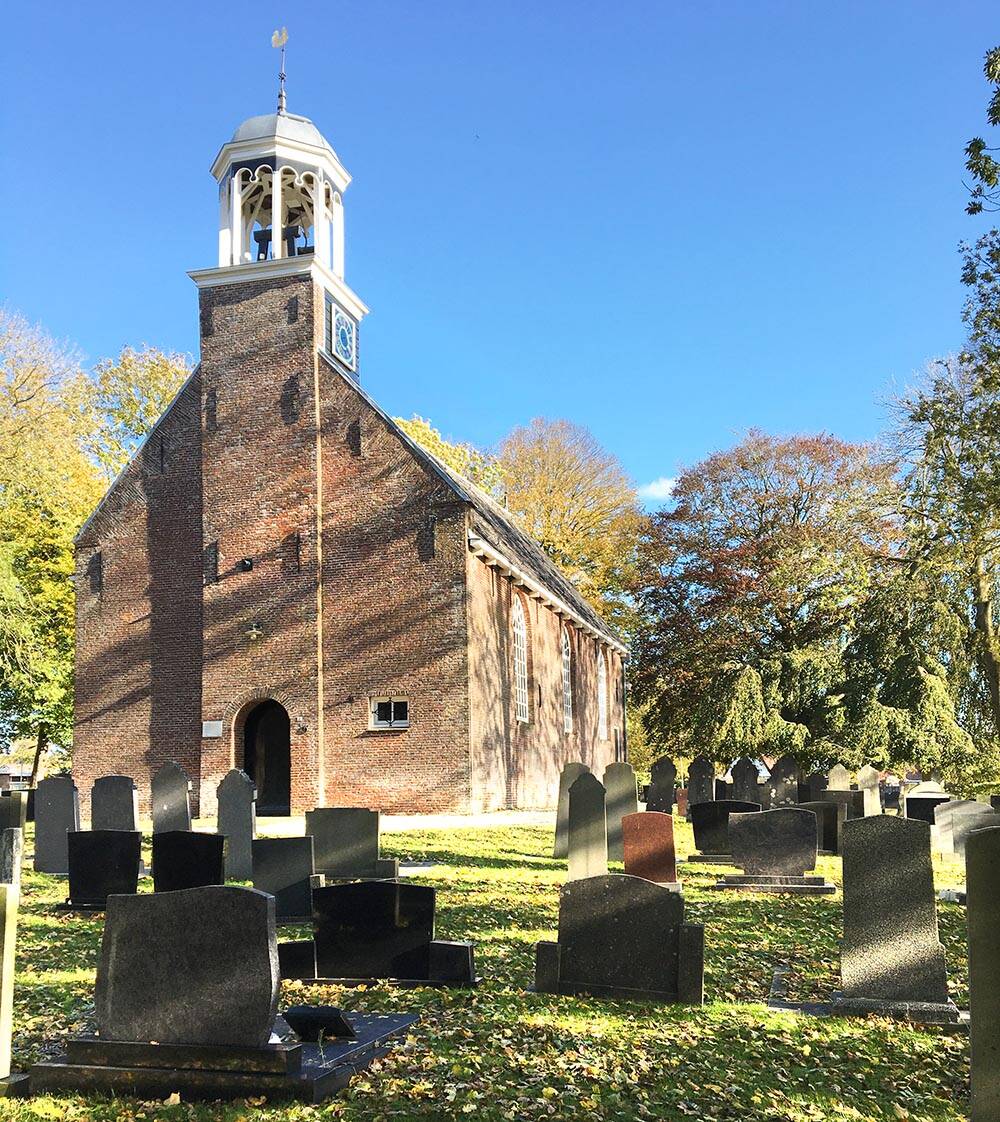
{"type": "Point", "coordinates": [588, 829]}
{"type": "Point", "coordinates": [700, 781]}
{"type": "Point", "coordinates": [621, 798]}
{"type": "Point", "coordinates": [57, 811]}
{"type": "Point", "coordinates": [346, 843]}
{"type": "Point", "coordinates": [775, 849]}
{"type": "Point", "coordinates": [183, 860]}
{"type": "Point", "coordinates": [237, 822]}
{"type": "Point", "coordinates": [171, 798]}
{"type": "Point", "coordinates": [982, 874]}
{"type": "Point", "coordinates": [114, 803]}
{"type": "Point", "coordinates": [567, 777]}
{"type": "Point", "coordinates": [710, 822]}
{"type": "Point", "coordinates": [662, 784]}
{"type": "Point", "coordinates": [648, 842]}
{"type": "Point", "coordinates": [285, 868]}
{"type": "Point", "coordinates": [102, 863]}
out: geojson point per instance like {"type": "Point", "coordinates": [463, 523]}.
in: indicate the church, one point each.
{"type": "Point", "coordinates": [281, 580]}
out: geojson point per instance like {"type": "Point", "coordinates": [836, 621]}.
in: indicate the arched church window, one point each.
{"type": "Point", "coordinates": [520, 634]}
{"type": "Point", "coordinates": [567, 681]}
{"type": "Point", "coordinates": [602, 696]}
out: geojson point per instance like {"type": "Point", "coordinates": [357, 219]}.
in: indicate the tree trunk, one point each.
{"type": "Point", "coordinates": [43, 736]}
{"type": "Point", "coordinates": [989, 647]}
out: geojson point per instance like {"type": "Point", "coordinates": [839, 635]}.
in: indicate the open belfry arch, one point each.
{"type": "Point", "coordinates": [278, 539]}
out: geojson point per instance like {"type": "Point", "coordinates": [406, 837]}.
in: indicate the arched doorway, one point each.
{"type": "Point", "coordinates": [267, 756]}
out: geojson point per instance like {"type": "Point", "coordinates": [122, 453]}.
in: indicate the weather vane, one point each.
{"type": "Point", "coordinates": [279, 39]}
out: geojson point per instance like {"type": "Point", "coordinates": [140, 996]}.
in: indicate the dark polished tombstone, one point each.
{"type": "Point", "coordinates": [14, 810]}
{"type": "Point", "coordinates": [746, 780]}
{"type": "Point", "coordinates": [830, 819]}
{"type": "Point", "coordinates": [783, 782]}
{"type": "Point", "coordinates": [701, 781]}
{"type": "Point", "coordinates": [775, 849]}
{"type": "Point", "coordinates": [588, 829]}
{"type": "Point", "coordinates": [648, 840]}
{"type": "Point", "coordinates": [853, 802]}
{"type": "Point", "coordinates": [622, 937]}
{"type": "Point", "coordinates": [710, 822]}
{"type": "Point", "coordinates": [982, 879]}
{"type": "Point", "coordinates": [891, 960]}
{"type": "Point", "coordinates": [102, 863]}
{"type": "Point", "coordinates": [237, 822]}
{"type": "Point", "coordinates": [919, 802]}
{"type": "Point", "coordinates": [183, 859]}
{"type": "Point", "coordinates": [621, 798]}
{"type": "Point", "coordinates": [663, 781]}
{"type": "Point", "coordinates": [171, 799]}
{"type": "Point", "coordinates": [57, 811]}
{"type": "Point", "coordinates": [114, 803]}
{"type": "Point", "coordinates": [346, 842]}
{"type": "Point", "coordinates": [567, 777]}
{"type": "Point", "coordinates": [816, 783]}
{"type": "Point", "coordinates": [285, 868]}
{"type": "Point", "coordinates": [187, 987]}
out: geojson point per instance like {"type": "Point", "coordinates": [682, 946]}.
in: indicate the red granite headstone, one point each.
{"type": "Point", "coordinates": [682, 801]}
{"type": "Point", "coordinates": [648, 839]}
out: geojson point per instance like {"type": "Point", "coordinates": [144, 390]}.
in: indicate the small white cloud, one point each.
{"type": "Point", "coordinates": [659, 489]}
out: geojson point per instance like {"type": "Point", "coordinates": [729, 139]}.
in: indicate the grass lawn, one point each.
{"type": "Point", "coordinates": [501, 1053]}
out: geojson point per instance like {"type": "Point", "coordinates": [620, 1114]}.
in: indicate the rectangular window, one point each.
{"type": "Point", "coordinates": [389, 713]}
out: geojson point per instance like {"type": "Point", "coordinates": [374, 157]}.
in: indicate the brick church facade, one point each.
{"type": "Point", "coordinates": [281, 580]}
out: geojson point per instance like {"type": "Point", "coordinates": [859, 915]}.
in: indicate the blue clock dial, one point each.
{"type": "Point", "coordinates": [344, 339]}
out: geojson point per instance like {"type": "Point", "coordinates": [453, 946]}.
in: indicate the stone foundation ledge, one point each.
{"type": "Point", "coordinates": [793, 885]}
{"type": "Point", "coordinates": [920, 1012]}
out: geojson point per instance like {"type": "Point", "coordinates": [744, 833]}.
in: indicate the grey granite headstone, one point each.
{"type": "Point", "coordinates": [830, 819]}
{"type": "Point", "coordinates": [982, 879]}
{"type": "Point", "coordinates": [662, 781]}
{"type": "Point", "coordinates": [964, 826]}
{"type": "Point", "coordinates": [710, 822]}
{"type": "Point", "coordinates": [114, 803]}
{"type": "Point", "coordinates": [171, 793]}
{"type": "Point", "coordinates": [890, 957]}
{"type": "Point", "coordinates": [237, 820]}
{"type": "Point", "coordinates": [746, 780]}
{"type": "Point", "coordinates": [776, 843]}
{"type": "Point", "coordinates": [196, 966]}
{"type": "Point", "coordinates": [621, 798]}
{"type": "Point", "coordinates": [346, 842]}
{"type": "Point", "coordinates": [853, 802]}
{"type": "Point", "coordinates": [284, 867]}
{"type": "Point", "coordinates": [10, 890]}
{"type": "Point", "coordinates": [567, 777]}
{"type": "Point", "coordinates": [868, 782]}
{"type": "Point", "coordinates": [838, 779]}
{"type": "Point", "coordinates": [11, 851]}
{"type": "Point", "coordinates": [588, 829]}
{"type": "Point", "coordinates": [620, 936]}
{"type": "Point", "coordinates": [919, 802]}
{"type": "Point", "coordinates": [701, 781]}
{"type": "Point", "coordinates": [784, 782]}
{"type": "Point", "coordinates": [14, 810]}
{"type": "Point", "coordinates": [57, 811]}
{"type": "Point", "coordinates": [946, 815]}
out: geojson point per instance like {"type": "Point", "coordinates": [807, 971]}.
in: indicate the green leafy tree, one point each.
{"type": "Point", "coordinates": [979, 161]}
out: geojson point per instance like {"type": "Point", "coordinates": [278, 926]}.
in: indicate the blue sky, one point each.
{"type": "Point", "coordinates": [668, 222]}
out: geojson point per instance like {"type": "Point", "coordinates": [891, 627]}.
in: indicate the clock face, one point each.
{"type": "Point", "coordinates": [343, 338]}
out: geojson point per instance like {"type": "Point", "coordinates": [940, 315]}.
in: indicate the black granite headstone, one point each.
{"type": "Point", "coordinates": [102, 863]}
{"type": "Point", "coordinates": [701, 781]}
{"type": "Point", "coordinates": [710, 822]}
{"type": "Point", "coordinates": [853, 802]}
{"type": "Point", "coordinates": [284, 867]}
{"type": "Point", "coordinates": [14, 810]}
{"type": "Point", "coordinates": [171, 797]}
{"type": "Point", "coordinates": [780, 843]}
{"type": "Point", "coordinates": [746, 780]}
{"type": "Point", "coordinates": [816, 783]}
{"type": "Point", "coordinates": [784, 782]}
{"type": "Point", "coordinates": [346, 842]}
{"type": "Point", "coordinates": [182, 859]}
{"type": "Point", "coordinates": [114, 803]}
{"type": "Point", "coordinates": [373, 929]}
{"type": "Point", "coordinates": [830, 818]}
{"type": "Point", "coordinates": [663, 781]}
{"type": "Point", "coordinates": [237, 822]}
{"type": "Point", "coordinates": [921, 800]}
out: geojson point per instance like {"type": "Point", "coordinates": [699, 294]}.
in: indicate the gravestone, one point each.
{"type": "Point", "coordinates": [171, 795]}
{"type": "Point", "coordinates": [102, 863]}
{"type": "Point", "coordinates": [11, 842]}
{"type": "Point", "coordinates": [868, 784]}
{"type": "Point", "coordinates": [285, 868]}
{"type": "Point", "coordinates": [701, 781]}
{"type": "Point", "coordinates": [982, 879]}
{"type": "Point", "coordinates": [964, 826]}
{"type": "Point", "coordinates": [567, 777]}
{"type": "Point", "coordinates": [830, 819]}
{"type": "Point", "coordinates": [723, 789]}
{"type": "Point", "coordinates": [57, 811]}
{"type": "Point", "coordinates": [384, 929]}
{"type": "Point", "coordinates": [649, 846]}
{"type": "Point", "coordinates": [783, 782]}
{"type": "Point", "coordinates": [815, 784]}
{"type": "Point", "coordinates": [838, 779]}
{"type": "Point", "coordinates": [346, 842]}
{"type": "Point", "coordinates": [114, 803]}
{"type": "Point", "coordinates": [682, 801]}
{"type": "Point", "coordinates": [746, 780]}
{"type": "Point", "coordinates": [945, 817]}
{"type": "Point", "coordinates": [237, 822]}
{"type": "Point", "coordinates": [622, 937]}
{"type": "Point", "coordinates": [183, 859]}
{"type": "Point", "coordinates": [588, 829]}
{"type": "Point", "coordinates": [620, 799]}
{"type": "Point", "coordinates": [14, 810]}
{"type": "Point", "coordinates": [919, 801]}
{"type": "Point", "coordinates": [853, 802]}
{"type": "Point", "coordinates": [662, 782]}
{"type": "Point", "coordinates": [775, 849]}
{"type": "Point", "coordinates": [891, 961]}
{"type": "Point", "coordinates": [710, 822]}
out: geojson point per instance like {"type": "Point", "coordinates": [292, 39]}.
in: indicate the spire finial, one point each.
{"type": "Point", "coordinates": [279, 39]}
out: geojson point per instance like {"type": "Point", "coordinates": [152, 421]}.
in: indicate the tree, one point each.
{"type": "Point", "coordinates": [468, 461]}
{"type": "Point", "coordinates": [752, 583]}
{"type": "Point", "coordinates": [574, 497]}
{"type": "Point", "coordinates": [124, 398]}
{"type": "Point", "coordinates": [984, 169]}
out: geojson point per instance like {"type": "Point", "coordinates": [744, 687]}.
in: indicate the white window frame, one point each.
{"type": "Point", "coordinates": [602, 696]}
{"type": "Point", "coordinates": [567, 680]}
{"type": "Point", "coordinates": [393, 699]}
{"type": "Point", "coordinates": [519, 636]}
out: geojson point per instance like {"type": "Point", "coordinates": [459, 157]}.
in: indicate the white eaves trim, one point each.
{"type": "Point", "coordinates": [493, 557]}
